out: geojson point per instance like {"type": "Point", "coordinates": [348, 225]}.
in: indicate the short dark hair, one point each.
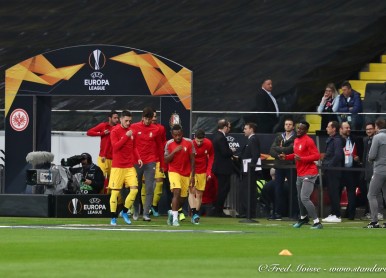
{"type": "Point", "coordinates": [370, 123]}
{"type": "Point", "coordinates": [346, 84]}
{"type": "Point", "coordinates": [335, 124]}
{"type": "Point", "coordinates": [126, 113]}
{"type": "Point", "coordinates": [176, 127]}
{"type": "Point", "coordinates": [222, 123]}
{"type": "Point", "coordinates": [265, 79]}
{"type": "Point", "coordinates": [380, 123]}
{"type": "Point", "coordinates": [200, 133]}
{"type": "Point", "coordinates": [112, 112]}
{"type": "Point", "coordinates": [148, 112]}
{"type": "Point", "coordinates": [87, 156]}
{"type": "Point", "coordinates": [289, 119]}
{"type": "Point", "coordinates": [253, 126]}
{"type": "Point", "coordinates": [305, 123]}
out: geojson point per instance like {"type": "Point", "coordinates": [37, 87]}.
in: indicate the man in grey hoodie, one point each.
{"type": "Point", "coordinates": [377, 155]}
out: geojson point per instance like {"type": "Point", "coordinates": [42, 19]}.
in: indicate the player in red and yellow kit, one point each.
{"type": "Point", "coordinates": [125, 155]}
{"type": "Point", "coordinates": [149, 147]}
{"type": "Point", "coordinates": [105, 151]}
{"type": "Point", "coordinates": [203, 162]}
{"type": "Point", "coordinates": [179, 154]}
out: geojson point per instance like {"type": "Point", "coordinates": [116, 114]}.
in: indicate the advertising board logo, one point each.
{"type": "Point", "coordinates": [95, 206]}
{"type": "Point", "coordinates": [19, 119]}
{"type": "Point", "coordinates": [75, 206]}
{"type": "Point", "coordinates": [97, 60]}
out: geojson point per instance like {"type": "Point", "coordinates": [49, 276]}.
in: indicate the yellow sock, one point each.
{"type": "Point", "coordinates": [131, 197]}
{"type": "Point", "coordinates": [113, 200]}
{"type": "Point", "coordinates": [143, 194]}
{"type": "Point", "coordinates": [157, 192]}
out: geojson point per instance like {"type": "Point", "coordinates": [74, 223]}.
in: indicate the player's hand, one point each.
{"type": "Point", "coordinates": [140, 163]}
{"type": "Point", "coordinates": [179, 148]}
{"type": "Point", "coordinates": [297, 158]}
{"type": "Point", "coordinates": [282, 156]}
{"type": "Point", "coordinates": [161, 170]}
{"type": "Point", "coordinates": [208, 177]}
{"type": "Point", "coordinates": [106, 131]}
{"type": "Point", "coordinates": [103, 159]}
{"type": "Point", "coordinates": [129, 133]}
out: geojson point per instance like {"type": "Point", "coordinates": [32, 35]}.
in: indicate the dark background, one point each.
{"type": "Point", "coordinates": [229, 45]}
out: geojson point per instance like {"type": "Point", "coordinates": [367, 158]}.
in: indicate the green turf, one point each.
{"type": "Point", "coordinates": [43, 248]}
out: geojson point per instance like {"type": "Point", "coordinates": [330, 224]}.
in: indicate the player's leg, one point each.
{"type": "Point", "coordinates": [132, 182]}
{"type": "Point", "coordinates": [149, 173]}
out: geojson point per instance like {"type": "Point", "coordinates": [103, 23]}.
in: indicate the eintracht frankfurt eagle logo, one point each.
{"type": "Point", "coordinates": [19, 119]}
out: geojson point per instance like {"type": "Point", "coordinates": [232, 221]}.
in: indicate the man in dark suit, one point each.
{"type": "Point", "coordinates": [266, 102]}
{"type": "Point", "coordinates": [249, 154]}
{"type": "Point", "coordinates": [222, 165]}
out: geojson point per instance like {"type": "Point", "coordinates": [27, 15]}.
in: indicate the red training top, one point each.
{"type": "Point", "coordinates": [148, 142]}
{"type": "Point", "coordinates": [305, 148]}
{"type": "Point", "coordinates": [105, 149]}
{"type": "Point", "coordinates": [204, 157]}
{"type": "Point", "coordinates": [125, 153]}
{"type": "Point", "coordinates": [181, 160]}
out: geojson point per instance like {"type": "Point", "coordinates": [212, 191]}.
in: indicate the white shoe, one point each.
{"type": "Point", "coordinates": [327, 218]}
{"type": "Point", "coordinates": [380, 216]}
{"type": "Point", "coordinates": [135, 215]}
{"type": "Point", "coordinates": [332, 219]}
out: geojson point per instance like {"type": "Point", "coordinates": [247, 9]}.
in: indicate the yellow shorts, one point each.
{"type": "Point", "coordinates": [200, 181]}
{"type": "Point", "coordinates": [123, 176]}
{"type": "Point", "coordinates": [105, 166]}
{"type": "Point", "coordinates": [178, 181]}
{"type": "Point", "coordinates": [158, 173]}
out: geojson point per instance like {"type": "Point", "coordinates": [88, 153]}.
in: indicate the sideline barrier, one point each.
{"type": "Point", "coordinates": [27, 205]}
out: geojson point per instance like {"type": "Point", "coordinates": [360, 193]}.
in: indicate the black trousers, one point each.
{"type": "Point", "coordinates": [243, 194]}
{"type": "Point", "coordinates": [224, 185]}
{"type": "Point", "coordinates": [334, 190]}
{"type": "Point", "coordinates": [349, 179]}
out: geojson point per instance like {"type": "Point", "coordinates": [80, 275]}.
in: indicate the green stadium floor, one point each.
{"type": "Point", "coordinates": [218, 247]}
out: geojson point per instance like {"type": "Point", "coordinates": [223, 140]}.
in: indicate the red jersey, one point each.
{"type": "Point", "coordinates": [305, 148]}
{"type": "Point", "coordinates": [125, 153]}
{"type": "Point", "coordinates": [148, 142]}
{"type": "Point", "coordinates": [204, 157]}
{"type": "Point", "coordinates": [162, 134]}
{"type": "Point", "coordinates": [181, 161]}
{"type": "Point", "coordinates": [105, 149]}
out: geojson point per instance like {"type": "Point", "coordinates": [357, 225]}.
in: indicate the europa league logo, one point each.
{"type": "Point", "coordinates": [97, 60]}
{"type": "Point", "coordinates": [75, 206]}
{"type": "Point", "coordinates": [174, 120]}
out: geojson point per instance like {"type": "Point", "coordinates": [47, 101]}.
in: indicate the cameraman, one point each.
{"type": "Point", "coordinates": [91, 176]}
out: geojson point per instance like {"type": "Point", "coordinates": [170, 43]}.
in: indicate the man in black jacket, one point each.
{"type": "Point", "coordinates": [266, 102]}
{"type": "Point", "coordinates": [333, 157]}
{"type": "Point", "coordinates": [249, 154]}
{"type": "Point", "coordinates": [222, 165]}
{"type": "Point", "coordinates": [90, 175]}
{"type": "Point", "coordinates": [284, 143]}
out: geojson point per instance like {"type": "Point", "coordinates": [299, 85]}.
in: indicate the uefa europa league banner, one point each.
{"type": "Point", "coordinates": [87, 70]}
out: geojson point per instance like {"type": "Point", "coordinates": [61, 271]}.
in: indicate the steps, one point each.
{"type": "Point", "coordinates": [376, 74]}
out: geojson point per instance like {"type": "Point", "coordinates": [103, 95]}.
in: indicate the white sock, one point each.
{"type": "Point", "coordinates": [175, 215]}
{"type": "Point", "coordinates": [316, 220]}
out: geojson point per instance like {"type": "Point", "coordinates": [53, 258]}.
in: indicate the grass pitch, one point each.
{"type": "Point", "coordinates": [47, 247]}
